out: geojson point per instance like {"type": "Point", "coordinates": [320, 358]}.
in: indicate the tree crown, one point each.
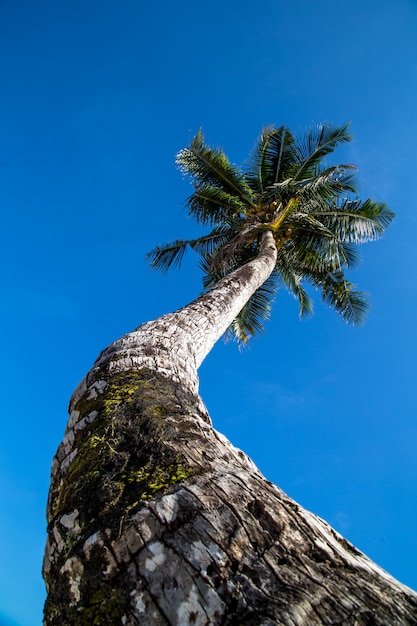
{"type": "Point", "coordinates": [312, 210]}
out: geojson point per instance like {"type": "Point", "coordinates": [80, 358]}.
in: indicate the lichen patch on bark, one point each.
{"type": "Point", "coordinates": [103, 475]}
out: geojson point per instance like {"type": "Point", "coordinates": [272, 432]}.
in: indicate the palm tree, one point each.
{"type": "Point", "coordinates": [153, 517]}
{"type": "Point", "coordinates": [286, 191]}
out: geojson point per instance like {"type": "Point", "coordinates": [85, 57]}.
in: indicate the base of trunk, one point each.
{"type": "Point", "coordinates": [154, 518]}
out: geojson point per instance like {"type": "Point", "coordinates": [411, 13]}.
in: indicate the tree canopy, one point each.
{"type": "Point", "coordinates": [287, 188]}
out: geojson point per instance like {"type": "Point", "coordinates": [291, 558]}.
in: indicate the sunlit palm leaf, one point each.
{"type": "Point", "coordinates": [330, 182]}
{"type": "Point", "coordinates": [355, 221]}
{"type": "Point", "coordinates": [310, 254]}
{"type": "Point", "coordinates": [209, 166]}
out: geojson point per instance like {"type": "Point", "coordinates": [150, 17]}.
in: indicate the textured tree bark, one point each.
{"type": "Point", "coordinates": [156, 519]}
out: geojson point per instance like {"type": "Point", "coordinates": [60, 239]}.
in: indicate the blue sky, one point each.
{"type": "Point", "coordinates": [96, 99]}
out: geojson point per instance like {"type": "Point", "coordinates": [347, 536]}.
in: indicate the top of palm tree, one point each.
{"type": "Point", "coordinates": [311, 209]}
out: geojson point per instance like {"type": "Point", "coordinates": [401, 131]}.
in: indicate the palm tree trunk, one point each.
{"type": "Point", "coordinates": [156, 519]}
{"type": "Point", "coordinates": [176, 344]}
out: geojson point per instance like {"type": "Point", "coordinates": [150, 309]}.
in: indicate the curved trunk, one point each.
{"type": "Point", "coordinates": [155, 518]}
{"type": "Point", "coordinates": [176, 344]}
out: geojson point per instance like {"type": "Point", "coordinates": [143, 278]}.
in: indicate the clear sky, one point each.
{"type": "Point", "coordinates": [96, 98]}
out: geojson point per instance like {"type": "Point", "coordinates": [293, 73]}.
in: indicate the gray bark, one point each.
{"type": "Point", "coordinates": [154, 518]}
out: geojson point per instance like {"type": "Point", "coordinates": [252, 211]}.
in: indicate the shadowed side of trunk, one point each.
{"type": "Point", "coordinates": [154, 518]}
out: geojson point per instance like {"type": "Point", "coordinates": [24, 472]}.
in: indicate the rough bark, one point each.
{"type": "Point", "coordinates": [156, 519]}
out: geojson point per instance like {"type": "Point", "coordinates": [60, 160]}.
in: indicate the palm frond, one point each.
{"type": "Point", "coordinates": [317, 144]}
{"type": "Point", "coordinates": [272, 159]}
{"type": "Point", "coordinates": [211, 275]}
{"type": "Point", "coordinates": [210, 167]}
{"type": "Point", "coordinates": [250, 319]}
{"type": "Point", "coordinates": [355, 221]}
{"type": "Point", "coordinates": [171, 254]}
{"type": "Point", "coordinates": [312, 253]}
{"type": "Point", "coordinates": [311, 224]}
{"type": "Point", "coordinates": [292, 280]}
{"type": "Point", "coordinates": [230, 252]}
{"type": "Point", "coordinates": [329, 183]}
{"type": "Point", "coordinates": [335, 289]}
{"type": "Point", "coordinates": [208, 245]}
{"type": "Point", "coordinates": [165, 256]}
{"type": "Point", "coordinates": [234, 256]}
{"type": "Point", "coordinates": [211, 205]}
{"type": "Point", "coordinates": [304, 300]}
{"type": "Point", "coordinates": [351, 255]}
{"type": "Point", "coordinates": [339, 293]}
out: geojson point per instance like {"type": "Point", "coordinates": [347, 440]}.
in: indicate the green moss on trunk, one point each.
{"type": "Point", "coordinates": [119, 461]}
{"type": "Point", "coordinates": [123, 457]}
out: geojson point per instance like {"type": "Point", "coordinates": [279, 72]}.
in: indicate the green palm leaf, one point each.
{"type": "Point", "coordinates": [330, 182]}
{"type": "Point", "coordinates": [257, 309]}
{"type": "Point", "coordinates": [208, 166]}
{"type": "Point", "coordinates": [340, 295]}
{"type": "Point", "coordinates": [171, 254]}
{"type": "Point", "coordinates": [351, 255]}
{"type": "Point", "coordinates": [167, 255]}
{"type": "Point", "coordinates": [355, 221]}
{"type": "Point", "coordinates": [208, 245]}
{"type": "Point", "coordinates": [317, 144]}
{"type": "Point", "coordinates": [292, 280]}
{"type": "Point", "coordinates": [211, 205]}
{"type": "Point", "coordinates": [272, 159]}
{"type": "Point", "coordinates": [318, 252]}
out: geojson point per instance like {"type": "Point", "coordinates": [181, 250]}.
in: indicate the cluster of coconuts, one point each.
{"type": "Point", "coordinates": [267, 213]}
{"type": "Point", "coordinates": [282, 237]}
